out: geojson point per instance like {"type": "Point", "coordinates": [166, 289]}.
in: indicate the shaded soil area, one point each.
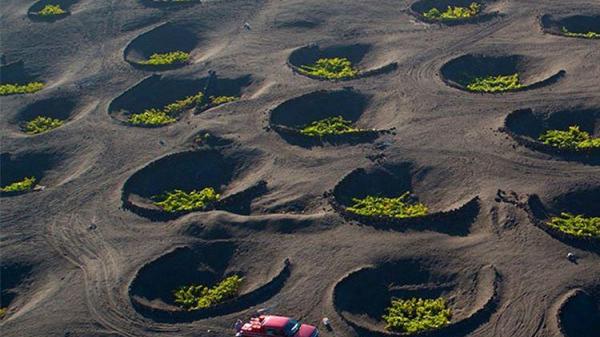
{"type": "Point", "coordinates": [578, 24]}
{"type": "Point", "coordinates": [579, 315]}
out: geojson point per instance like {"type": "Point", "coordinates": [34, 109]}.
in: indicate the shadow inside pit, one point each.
{"type": "Point", "coordinates": [526, 126]}
{"type": "Point", "coordinates": [579, 24]}
{"type": "Point", "coordinates": [170, 4]}
{"type": "Point", "coordinates": [16, 73]}
{"type": "Point", "coordinates": [423, 6]}
{"type": "Point", "coordinates": [15, 168]}
{"type": "Point", "coordinates": [290, 117]}
{"type": "Point", "coordinates": [392, 181]}
{"type": "Point", "coordinates": [580, 315]}
{"type": "Point", "coordinates": [11, 277]}
{"type": "Point", "coordinates": [32, 13]}
{"type": "Point", "coordinates": [311, 53]}
{"type": "Point", "coordinates": [61, 108]}
{"type": "Point", "coordinates": [163, 39]}
{"type": "Point", "coordinates": [533, 74]}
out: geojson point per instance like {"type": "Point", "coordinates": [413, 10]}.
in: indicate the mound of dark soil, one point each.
{"type": "Point", "coordinates": [527, 125]}
{"type": "Point", "coordinates": [392, 181]}
{"type": "Point", "coordinates": [362, 296]}
{"type": "Point", "coordinates": [362, 57]}
{"type": "Point", "coordinates": [207, 264]}
{"type": "Point", "coordinates": [169, 37]}
{"type": "Point", "coordinates": [533, 72]}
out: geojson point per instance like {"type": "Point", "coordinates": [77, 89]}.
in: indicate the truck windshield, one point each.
{"type": "Point", "coordinates": [291, 328]}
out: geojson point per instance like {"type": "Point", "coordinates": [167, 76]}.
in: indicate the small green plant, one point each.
{"type": "Point", "coordinates": [497, 83]}
{"type": "Point", "coordinates": [194, 297]}
{"type": "Point", "coordinates": [27, 184]}
{"type": "Point", "coordinates": [51, 10]}
{"type": "Point", "coordinates": [15, 89]}
{"type": "Point", "coordinates": [42, 124]}
{"type": "Point", "coordinates": [179, 201]}
{"type": "Point", "coordinates": [453, 12]}
{"type": "Point", "coordinates": [168, 114]}
{"type": "Point", "coordinates": [400, 207]}
{"type": "Point", "coordinates": [2, 313]}
{"type": "Point", "coordinates": [587, 35]}
{"type": "Point", "coordinates": [417, 314]}
{"type": "Point", "coordinates": [176, 57]}
{"type": "Point", "coordinates": [328, 126]}
{"type": "Point", "coordinates": [218, 100]}
{"type": "Point", "coordinates": [330, 68]}
{"type": "Point", "coordinates": [572, 139]}
{"type": "Point", "coordinates": [576, 225]}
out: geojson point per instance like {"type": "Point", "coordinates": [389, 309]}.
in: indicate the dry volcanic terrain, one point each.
{"type": "Point", "coordinates": [374, 168]}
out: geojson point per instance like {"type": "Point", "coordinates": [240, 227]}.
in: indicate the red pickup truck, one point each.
{"type": "Point", "coordinates": [276, 326]}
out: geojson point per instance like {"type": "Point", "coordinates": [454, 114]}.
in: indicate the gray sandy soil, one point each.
{"type": "Point", "coordinates": [71, 253]}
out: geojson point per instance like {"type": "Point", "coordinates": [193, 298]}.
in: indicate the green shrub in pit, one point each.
{"type": "Point", "coordinates": [571, 139]}
{"type": "Point", "coordinates": [218, 100]}
{"type": "Point", "coordinates": [497, 83]}
{"type": "Point", "coordinates": [417, 315]}
{"type": "Point", "coordinates": [180, 201]}
{"type": "Point", "coordinates": [176, 57]}
{"type": "Point", "coordinates": [155, 117]}
{"type": "Point", "coordinates": [194, 297]}
{"type": "Point", "coordinates": [453, 12]}
{"type": "Point", "coordinates": [15, 89]}
{"type": "Point", "coordinates": [51, 10]}
{"type": "Point", "coordinates": [330, 68]}
{"type": "Point", "coordinates": [587, 35]}
{"type": "Point", "coordinates": [400, 207]}
{"type": "Point", "coordinates": [576, 225]}
{"type": "Point", "coordinates": [24, 185]}
{"type": "Point", "coordinates": [328, 126]}
{"type": "Point", "coordinates": [41, 124]}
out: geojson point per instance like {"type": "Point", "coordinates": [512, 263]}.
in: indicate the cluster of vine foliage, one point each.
{"type": "Point", "coordinates": [27, 184]}
{"type": "Point", "coordinates": [576, 225]}
{"type": "Point", "coordinates": [417, 314]}
{"type": "Point", "coordinates": [571, 139]}
{"type": "Point", "coordinates": [328, 126]}
{"type": "Point", "coordinates": [400, 207]}
{"type": "Point", "coordinates": [51, 10]}
{"type": "Point", "coordinates": [218, 100]}
{"type": "Point", "coordinates": [194, 297]}
{"type": "Point", "coordinates": [42, 124]}
{"type": "Point", "coordinates": [497, 83]}
{"type": "Point", "coordinates": [181, 201]}
{"type": "Point", "coordinates": [587, 35]}
{"type": "Point", "coordinates": [453, 12]}
{"type": "Point", "coordinates": [15, 89]}
{"type": "Point", "coordinates": [330, 68]}
{"type": "Point", "coordinates": [176, 57]}
{"type": "Point", "coordinates": [166, 115]}
{"type": "Point", "coordinates": [2, 313]}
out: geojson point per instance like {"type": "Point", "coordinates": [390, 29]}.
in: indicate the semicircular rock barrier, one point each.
{"type": "Point", "coordinates": [193, 170]}
{"type": "Point", "coordinates": [532, 72]}
{"type": "Point", "coordinates": [392, 181]}
{"type": "Point", "coordinates": [362, 56]}
{"type": "Point", "coordinates": [578, 314]}
{"type": "Point", "coordinates": [158, 91]}
{"type": "Point", "coordinates": [290, 117]}
{"type": "Point", "coordinates": [166, 38]}
{"type": "Point", "coordinates": [526, 126]}
{"type": "Point", "coordinates": [577, 202]}
{"type": "Point", "coordinates": [486, 10]}
{"type": "Point", "coordinates": [13, 276]}
{"type": "Point", "coordinates": [578, 26]}
{"type": "Point", "coordinates": [362, 296]}
{"type": "Point", "coordinates": [34, 11]}
{"type": "Point", "coordinates": [151, 291]}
